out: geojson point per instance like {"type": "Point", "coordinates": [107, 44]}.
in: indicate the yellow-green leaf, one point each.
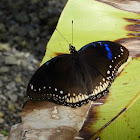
{"type": "Point", "coordinates": [124, 93]}
{"type": "Point", "coordinates": [126, 126]}
{"type": "Point", "coordinates": [93, 21]}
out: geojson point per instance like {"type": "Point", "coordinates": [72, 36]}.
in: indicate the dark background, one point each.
{"type": "Point", "coordinates": [25, 28]}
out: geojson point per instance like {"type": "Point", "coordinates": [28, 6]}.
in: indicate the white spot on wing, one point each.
{"type": "Point", "coordinates": [61, 92]}
{"type": "Point", "coordinates": [104, 87]}
{"type": "Point", "coordinates": [108, 72]}
{"type": "Point", "coordinates": [95, 91]}
{"type": "Point", "coordinates": [73, 99]}
{"type": "Point", "coordinates": [86, 97]}
{"type": "Point", "coordinates": [70, 100]}
{"type": "Point", "coordinates": [76, 98]}
{"type": "Point", "coordinates": [110, 66]}
{"type": "Point", "coordinates": [32, 87]}
{"type": "Point", "coordinates": [80, 99]}
{"type": "Point", "coordinates": [101, 88]}
{"type": "Point", "coordinates": [122, 50]}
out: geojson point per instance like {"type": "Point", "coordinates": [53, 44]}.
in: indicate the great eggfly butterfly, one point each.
{"type": "Point", "coordinates": [74, 79]}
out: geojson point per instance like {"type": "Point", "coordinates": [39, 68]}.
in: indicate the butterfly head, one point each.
{"type": "Point", "coordinates": [72, 49]}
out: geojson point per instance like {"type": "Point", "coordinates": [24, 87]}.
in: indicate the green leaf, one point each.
{"type": "Point", "coordinates": [4, 133]}
{"type": "Point", "coordinates": [93, 21]}
{"type": "Point", "coordinates": [126, 126]}
{"type": "Point", "coordinates": [124, 93]}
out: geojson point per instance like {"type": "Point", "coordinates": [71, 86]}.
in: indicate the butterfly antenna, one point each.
{"type": "Point", "coordinates": [71, 48]}
{"type": "Point", "coordinates": [63, 36]}
{"type": "Point", "coordinates": [72, 32]}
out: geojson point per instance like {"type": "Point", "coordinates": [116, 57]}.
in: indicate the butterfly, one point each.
{"type": "Point", "coordinates": [74, 79]}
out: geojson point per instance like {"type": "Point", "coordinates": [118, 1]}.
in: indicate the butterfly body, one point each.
{"type": "Point", "coordinates": [74, 79]}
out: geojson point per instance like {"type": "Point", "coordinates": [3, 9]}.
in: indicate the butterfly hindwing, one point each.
{"type": "Point", "coordinates": [58, 80]}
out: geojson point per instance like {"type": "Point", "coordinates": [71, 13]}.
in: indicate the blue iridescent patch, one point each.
{"type": "Point", "coordinates": [109, 54]}
{"type": "Point", "coordinates": [106, 45]}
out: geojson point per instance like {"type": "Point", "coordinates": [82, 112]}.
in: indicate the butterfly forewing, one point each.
{"type": "Point", "coordinates": [105, 56]}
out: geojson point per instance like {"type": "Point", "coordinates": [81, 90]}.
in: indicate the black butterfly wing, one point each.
{"type": "Point", "coordinates": [96, 84]}
{"type": "Point", "coordinates": [74, 79]}
{"type": "Point", "coordinates": [65, 80]}
{"type": "Point", "coordinates": [105, 56]}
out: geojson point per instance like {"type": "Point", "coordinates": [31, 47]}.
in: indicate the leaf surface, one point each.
{"type": "Point", "coordinates": [93, 21]}
{"type": "Point", "coordinates": [118, 117]}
